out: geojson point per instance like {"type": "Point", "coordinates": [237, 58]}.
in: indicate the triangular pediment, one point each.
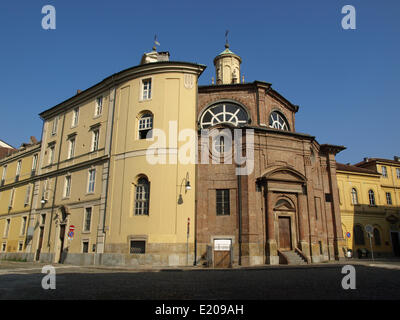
{"type": "Point", "coordinates": [285, 175]}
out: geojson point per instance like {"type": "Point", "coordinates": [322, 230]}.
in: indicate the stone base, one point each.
{"type": "Point", "coordinates": [17, 256]}
{"type": "Point", "coordinates": [273, 260]}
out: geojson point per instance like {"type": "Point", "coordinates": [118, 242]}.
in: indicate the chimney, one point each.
{"type": "Point", "coordinates": [396, 158]}
{"type": "Point", "coordinates": [78, 91]}
{"type": "Point", "coordinates": [366, 159]}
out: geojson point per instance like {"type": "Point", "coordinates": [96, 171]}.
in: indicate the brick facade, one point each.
{"type": "Point", "coordinates": [293, 177]}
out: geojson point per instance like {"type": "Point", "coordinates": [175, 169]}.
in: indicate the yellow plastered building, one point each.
{"type": "Point", "coordinates": [17, 185]}
{"type": "Point", "coordinates": [368, 197]}
{"type": "Point", "coordinates": [97, 198]}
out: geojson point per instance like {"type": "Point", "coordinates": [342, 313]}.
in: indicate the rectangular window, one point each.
{"type": "Point", "coordinates": [398, 173]}
{"type": "Point", "coordinates": [88, 219]}
{"type": "Point", "coordinates": [99, 106]}
{"type": "Point", "coordinates": [95, 140]}
{"type": "Point", "coordinates": [75, 117]}
{"type": "Point", "coordinates": [54, 127]}
{"type": "Point", "coordinates": [34, 164]}
{"type": "Point", "coordinates": [138, 246]}
{"type": "Point", "coordinates": [67, 187]}
{"type": "Point", "coordinates": [43, 219]}
{"type": "Point", "coordinates": [51, 154]}
{"type": "Point", "coordinates": [85, 246]}
{"type": "Point", "coordinates": [20, 246]}
{"type": "Point", "coordinates": [91, 181]}
{"type": "Point", "coordinates": [4, 247]}
{"type": "Point", "coordinates": [44, 190]}
{"type": "Point", "coordinates": [146, 89]}
{"type": "Point", "coordinates": [3, 177]}
{"type": "Point", "coordinates": [145, 126]}
{"type": "Point", "coordinates": [7, 228]}
{"type": "Point", "coordinates": [384, 172]}
{"type": "Point", "coordinates": [389, 198]}
{"type": "Point", "coordinates": [223, 201]}
{"type": "Point", "coordinates": [27, 195]}
{"type": "Point", "coordinates": [23, 225]}
{"type": "Point", "coordinates": [328, 197]}
{"type": "Point", "coordinates": [17, 173]}
{"type": "Point", "coordinates": [71, 151]}
{"type": "Point", "coordinates": [11, 203]}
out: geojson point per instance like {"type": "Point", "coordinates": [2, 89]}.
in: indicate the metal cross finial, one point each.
{"type": "Point", "coordinates": [226, 39]}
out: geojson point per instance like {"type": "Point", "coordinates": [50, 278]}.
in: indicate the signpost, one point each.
{"type": "Point", "coordinates": [187, 241]}
{"type": "Point", "coordinates": [370, 232]}
{"type": "Point", "coordinates": [71, 232]}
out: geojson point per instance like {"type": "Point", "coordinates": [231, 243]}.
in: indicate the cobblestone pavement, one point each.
{"type": "Point", "coordinates": [323, 281]}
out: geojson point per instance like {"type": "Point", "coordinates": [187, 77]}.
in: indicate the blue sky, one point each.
{"type": "Point", "coordinates": [347, 82]}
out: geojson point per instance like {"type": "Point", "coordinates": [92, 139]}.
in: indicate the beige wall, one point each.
{"type": "Point", "coordinates": [167, 220]}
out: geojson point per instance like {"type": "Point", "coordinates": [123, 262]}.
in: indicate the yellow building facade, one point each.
{"type": "Point", "coordinates": [368, 197]}
{"type": "Point", "coordinates": [98, 196]}
{"type": "Point", "coordinates": [18, 181]}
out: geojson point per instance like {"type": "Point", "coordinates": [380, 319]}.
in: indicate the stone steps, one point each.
{"type": "Point", "coordinates": [294, 258]}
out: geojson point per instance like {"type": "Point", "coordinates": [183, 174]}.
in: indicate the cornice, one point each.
{"type": "Point", "coordinates": [121, 77]}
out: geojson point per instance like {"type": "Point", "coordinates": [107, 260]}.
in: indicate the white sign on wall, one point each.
{"type": "Point", "coordinates": [222, 244]}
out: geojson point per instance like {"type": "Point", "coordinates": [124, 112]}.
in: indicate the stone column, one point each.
{"type": "Point", "coordinates": [272, 253]}
{"type": "Point", "coordinates": [303, 228]}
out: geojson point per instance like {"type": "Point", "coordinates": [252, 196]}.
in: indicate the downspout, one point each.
{"type": "Point", "coordinates": [196, 186]}
{"type": "Point", "coordinates": [30, 211]}
{"type": "Point", "coordinates": [240, 216]}
{"type": "Point", "coordinates": [56, 180]}
{"type": "Point", "coordinates": [109, 160]}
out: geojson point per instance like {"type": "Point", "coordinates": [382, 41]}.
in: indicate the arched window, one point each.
{"type": "Point", "coordinates": [371, 196]}
{"type": "Point", "coordinates": [359, 235]}
{"type": "Point", "coordinates": [224, 112]}
{"type": "Point", "coordinates": [278, 121]}
{"type": "Point", "coordinates": [142, 196]}
{"type": "Point", "coordinates": [145, 126]}
{"type": "Point", "coordinates": [377, 237]}
{"type": "Point", "coordinates": [354, 196]}
{"type": "Point", "coordinates": [220, 144]}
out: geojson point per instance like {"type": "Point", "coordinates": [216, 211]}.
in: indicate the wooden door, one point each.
{"type": "Point", "coordinates": [40, 243]}
{"type": "Point", "coordinates": [222, 259]}
{"type": "Point", "coordinates": [222, 253]}
{"type": "Point", "coordinates": [285, 239]}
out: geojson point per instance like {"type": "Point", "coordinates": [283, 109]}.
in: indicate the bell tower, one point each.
{"type": "Point", "coordinates": [227, 66]}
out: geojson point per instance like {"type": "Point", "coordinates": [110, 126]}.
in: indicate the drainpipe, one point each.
{"type": "Point", "coordinates": [109, 160]}
{"type": "Point", "coordinates": [56, 179]}
{"type": "Point", "coordinates": [240, 217]}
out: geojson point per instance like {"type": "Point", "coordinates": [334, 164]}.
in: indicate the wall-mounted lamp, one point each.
{"type": "Point", "coordinates": [187, 187]}
{"type": "Point", "coordinates": [43, 200]}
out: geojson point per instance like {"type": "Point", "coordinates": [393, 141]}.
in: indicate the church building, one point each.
{"type": "Point", "coordinates": [287, 209]}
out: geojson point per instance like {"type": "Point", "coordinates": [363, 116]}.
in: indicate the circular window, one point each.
{"type": "Point", "coordinates": [224, 113]}
{"type": "Point", "coordinates": [278, 121]}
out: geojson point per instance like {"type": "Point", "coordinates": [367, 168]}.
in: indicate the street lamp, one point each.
{"type": "Point", "coordinates": [43, 200]}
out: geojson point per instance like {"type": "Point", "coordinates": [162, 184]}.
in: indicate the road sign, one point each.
{"type": "Point", "coordinates": [72, 227]}
{"type": "Point", "coordinates": [71, 235]}
{"type": "Point", "coordinates": [348, 235]}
